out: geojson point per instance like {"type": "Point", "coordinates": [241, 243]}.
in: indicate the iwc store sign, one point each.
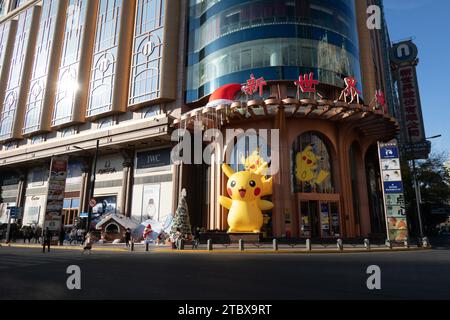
{"type": "Point", "coordinates": [153, 159]}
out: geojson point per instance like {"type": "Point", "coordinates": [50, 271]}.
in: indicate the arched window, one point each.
{"type": "Point", "coordinates": [312, 170]}
{"type": "Point", "coordinates": [112, 228]}
{"type": "Point", "coordinates": [246, 150]}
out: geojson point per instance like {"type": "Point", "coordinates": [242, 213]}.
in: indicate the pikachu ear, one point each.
{"type": "Point", "coordinates": [227, 170]}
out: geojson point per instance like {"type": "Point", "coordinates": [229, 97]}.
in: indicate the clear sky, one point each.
{"type": "Point", "coordinates": [428, 22]}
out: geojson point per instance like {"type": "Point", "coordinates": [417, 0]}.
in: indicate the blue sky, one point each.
{"type": "Point", "coordinates": [428, 22]}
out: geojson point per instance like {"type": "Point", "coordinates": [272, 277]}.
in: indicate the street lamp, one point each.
{"type": "Point", "coordinates": [92, 184]}
{"type": "Point", "coordinates": [417, 191]}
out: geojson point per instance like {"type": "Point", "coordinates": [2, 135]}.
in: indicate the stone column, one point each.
{"type": "Point", "coordinates": [127, 189]}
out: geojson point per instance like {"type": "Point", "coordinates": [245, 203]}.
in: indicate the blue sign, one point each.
{"type": "Point", "coordinates": [84, 215]}
{"type": "Point", "coordinates": [389, 152]}
{"type": "Point", "coordinates": [393, 187]}
{"type": "Point", "coordinates": [14, 212]}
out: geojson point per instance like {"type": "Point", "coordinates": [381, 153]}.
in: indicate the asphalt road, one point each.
{"type": "Point", "coordinates": [29, 274]}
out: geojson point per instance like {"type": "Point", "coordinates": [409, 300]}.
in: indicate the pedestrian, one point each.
{"type": "Point", "coordinates": [128, 237]}
{"type": "Point", "coordinates": [196, 240]}
{"type": "Point", "coordinates": [47, 235]}
{"type": "Point", "coordinates": [62, 237]}
{"type": "Point", "coordinates": [80, 236]}
{"type": "Point", "coordinates": [176, 239]}
{"type": "Point", "coordinates": [73, 236]}
{"type": "Point", "coordinates": [88, 244]}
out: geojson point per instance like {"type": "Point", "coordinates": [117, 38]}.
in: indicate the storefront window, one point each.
{"type": "Point", "coordinates": [312, 170]}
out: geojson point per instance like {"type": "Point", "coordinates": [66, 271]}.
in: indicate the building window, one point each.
{"type": "Point", "coordinates": [4, 32]}
{"type": "Point", "coordinates": [247, 148]}
{"type": "Point", "coordinates": [69, 132]}
{"type": "Point", "coordinates": [71, 210]}
{"type": "Point", "coordinates": [106, 123]}
{"type": "Point", "coordinates": [42, 63]}
{"type": "Point", "coordinates": [15, 74]}
{"type": "Point", "coordinates": [147, 52]}
{"type": "Point", "coordinates": [112, 228]}
{"type": "Point", "coordinates": [38, 139]}
{"type": "Point", "coordinates": [3, 8]}
{"type": "Point", "coordinates": [104, 62]}
{"type": "Point", "coordinates": [18, 3]}
{"type": "Point", "coordinates": [151, 112]}
{"type": "Point", "coordinates": [312, 170]}
{"type": "Point", "coordinates": [68, 79]}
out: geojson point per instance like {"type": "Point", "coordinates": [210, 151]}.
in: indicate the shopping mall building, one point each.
{"type": "Point", "coordinates": [128, 73]}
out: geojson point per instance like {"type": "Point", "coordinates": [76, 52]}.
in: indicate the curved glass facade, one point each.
{"type": "Point", "coordinates": [278, 40]}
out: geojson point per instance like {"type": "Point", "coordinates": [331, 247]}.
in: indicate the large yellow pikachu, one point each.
{"type": "Point", "coordinates": [245, 205]}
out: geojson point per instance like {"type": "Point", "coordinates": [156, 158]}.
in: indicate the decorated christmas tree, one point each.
{"type": "Point", "coordinates": [181, 220]}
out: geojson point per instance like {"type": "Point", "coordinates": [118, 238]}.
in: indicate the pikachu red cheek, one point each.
{"type": "Point", "coordinates": [230, 192]}
{"type": "Point", "coordinates": [257, 192]}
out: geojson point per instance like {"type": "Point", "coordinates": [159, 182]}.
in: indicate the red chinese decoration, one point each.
{"type": "Point", "coordinates": [380, 97]}
{"type": "Point", "coordinates": [306, 83]}
{"type": "Point", "coordinates": [253, 85]}
{"type": "Point", "coordinates": [350, 91]}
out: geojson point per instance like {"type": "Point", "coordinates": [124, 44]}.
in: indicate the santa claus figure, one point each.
{"type": "Point", "coordinates": [147, 232]}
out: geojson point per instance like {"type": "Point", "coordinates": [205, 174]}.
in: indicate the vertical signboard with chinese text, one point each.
{"type": "Point", "coordinates": [404, 58]}
{"type": "Point", "coordinates": [393, 191]}
{"type": "Point", "coordinates": [55, 196]}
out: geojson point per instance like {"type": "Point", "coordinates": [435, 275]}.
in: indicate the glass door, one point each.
{"type": "Point", "coordinates": [319, 219]}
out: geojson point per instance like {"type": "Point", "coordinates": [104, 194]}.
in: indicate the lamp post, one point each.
{"type": "Point", "coordinates": [418, 195]}
{"type": "Point", "coordinates": [92, 184]}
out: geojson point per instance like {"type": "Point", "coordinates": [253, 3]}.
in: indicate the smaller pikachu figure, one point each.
{"type": "Point", "coordinates": [245, 206]}
{"type": "Point", "coordinates": [256, 164]}
{"type": "Point", "coordinates": [307, 167]}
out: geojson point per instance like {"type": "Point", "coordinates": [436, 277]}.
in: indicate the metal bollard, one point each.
{"type": "Point", "coordinates": [367, 244]}
{"type": "Point", "coordinates": [132, 246]}
{"type": "Point", "coordinates": [340, 245]}
{"type": "Point", "coordinates": [308, 245]}
{"type": "Point", "coordinates": [241, 245]}
{"type": "Point", "coordinates": [275, 244]}
{"type": "Point", "coordinates": [210, 245]}
{"type": "Point", "coordinates": [389, 244]}
{"type": "Point", "coordinates": [425, 242]}
{"type": "Point", "coordinates": [181, 244]}
{"type": "Point", "coordinates": [406, 243]}
{"type": "Point", "coordinates": [146, 246]}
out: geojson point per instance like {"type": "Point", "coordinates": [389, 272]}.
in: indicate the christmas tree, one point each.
{"type": "Point", "coordinates": [181, 220]}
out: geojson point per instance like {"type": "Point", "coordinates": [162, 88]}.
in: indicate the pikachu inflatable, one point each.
{"type": "Point", "coordinates": [244, 203]}
{"type": "Point", "coordinates": [307, 167]}
{"type": "Point", "coordinates": [256, 164]}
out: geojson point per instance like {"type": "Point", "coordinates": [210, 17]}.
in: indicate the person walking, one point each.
{"type": "Point", "coordinates": [128, 237]}
{"type": "Point", "coordinates": [80, 236]}
{"type": "Point", "coordinates": [62, 237]}
{"type": "Point", "coordinates": [88, 244]}
{"type": "Point", "coordinates": [73, 236]}
{"type": "Point", "coordinates": [47, 235]}
{"type": "Point", "coordinates": [196, 240]}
